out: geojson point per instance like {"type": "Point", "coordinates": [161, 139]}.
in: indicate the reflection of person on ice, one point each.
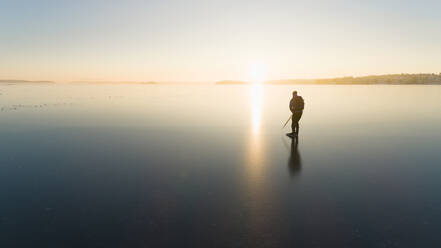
{"type": "Point", "coordinates": [296, 105]}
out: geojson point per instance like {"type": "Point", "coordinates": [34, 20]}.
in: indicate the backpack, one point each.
{"type": "Point", "coordinates": [299, 104]}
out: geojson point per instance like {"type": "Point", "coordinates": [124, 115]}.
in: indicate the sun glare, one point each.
{"type": "Point", "coordinates": [257, 72]}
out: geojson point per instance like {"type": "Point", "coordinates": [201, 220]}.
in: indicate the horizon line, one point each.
{"type": "Point", "coordinates": [211, 81]}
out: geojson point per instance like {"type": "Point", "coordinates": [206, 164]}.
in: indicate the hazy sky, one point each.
{"type": "Point", "coordinates": [207, 40]}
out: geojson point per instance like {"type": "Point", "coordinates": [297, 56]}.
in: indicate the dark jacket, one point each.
{"type": "Point", "coordinates": [293, 104]}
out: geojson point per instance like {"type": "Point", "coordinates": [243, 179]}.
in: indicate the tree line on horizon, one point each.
{"type": "Point", "coordinates": [421, 78]}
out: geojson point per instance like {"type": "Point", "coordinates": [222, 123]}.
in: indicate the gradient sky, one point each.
{"type": "Point", "coordinates": [207, 40]}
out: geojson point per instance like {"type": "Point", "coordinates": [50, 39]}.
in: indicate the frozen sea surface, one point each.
{"type": "Point", "coordinates": [209, 166]}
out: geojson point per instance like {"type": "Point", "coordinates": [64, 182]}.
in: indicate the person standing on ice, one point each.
{"type": "Point", "coordinates": [296, 105]}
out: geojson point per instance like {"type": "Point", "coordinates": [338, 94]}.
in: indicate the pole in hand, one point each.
{"type": "Point", "coordinates": [287, 121]}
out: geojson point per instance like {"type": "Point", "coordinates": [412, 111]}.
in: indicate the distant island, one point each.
{"type": "Point", "coordinates": [24, 81]}
{"type": "Point", "coordinates": [231, 82]}
{"type": "Point", "coordinates": [113, 82]}
{"type": "Point", "coordinates": [374, 79]}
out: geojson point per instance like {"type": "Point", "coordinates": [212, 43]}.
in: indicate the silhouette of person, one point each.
{"type": "Point", "coordinates": [296, 105]}
{"type": "Point", "coordinates": [294, 162]}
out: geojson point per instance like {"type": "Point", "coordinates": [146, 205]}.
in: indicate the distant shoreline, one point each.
{"type": "Point", "coordinates": [388, 79]}
{"type": "Point", "coordinates": [25, 82]}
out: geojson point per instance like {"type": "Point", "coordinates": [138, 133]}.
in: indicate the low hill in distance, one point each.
{"type": "Point", "coordinates": [420, 79]}
{"type": "Point", "coordinates": [114, 82]}
{"type": "Point", "coordinates": [230, 82]}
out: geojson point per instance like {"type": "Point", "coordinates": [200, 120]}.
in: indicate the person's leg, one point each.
{"type": "Point", "coordinates": [298, 116]}
{"type": "Point", "coordinates": [295, 122]}
{"type": "Point", "coordinates": [293, 126]}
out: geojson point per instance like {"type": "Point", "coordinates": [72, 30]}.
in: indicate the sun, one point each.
{"type": "Point", "coordinates": [257, 72]}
